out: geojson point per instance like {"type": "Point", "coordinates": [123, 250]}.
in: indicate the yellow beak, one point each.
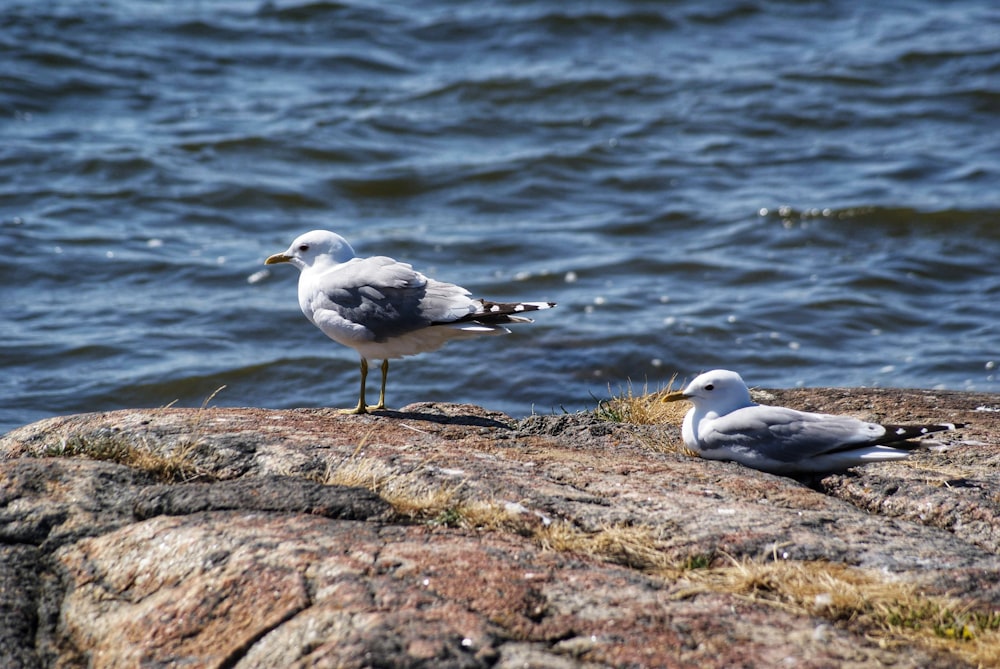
{"type": "Point", "coordinates": [276, 258]}
{"type": "Point", "coordinates": [675, 396]}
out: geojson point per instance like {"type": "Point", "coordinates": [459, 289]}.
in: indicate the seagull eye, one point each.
{"type": "Point", "coordinates": [710, 387]}
{"type": "Point", "coordinates": [303, 247]}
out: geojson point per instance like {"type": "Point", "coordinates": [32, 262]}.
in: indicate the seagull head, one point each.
{"type": "Point", "coordinates": [720, 391]}
{"type": "Point", "coordinates": [317, 248]}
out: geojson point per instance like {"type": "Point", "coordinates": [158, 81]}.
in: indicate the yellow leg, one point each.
{"type": "Point", "coordinates": [362, 407]}
{"type": "Point", "coordinates": [381, 395]}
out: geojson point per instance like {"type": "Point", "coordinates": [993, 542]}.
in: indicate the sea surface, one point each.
{"type": "Point", "coordinates": [805, 192]}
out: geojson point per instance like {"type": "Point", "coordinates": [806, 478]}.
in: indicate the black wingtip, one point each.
{"type": "Point", "coordinates": [894, 433]}
{"type": "Point", "coordinates": [496, 313]}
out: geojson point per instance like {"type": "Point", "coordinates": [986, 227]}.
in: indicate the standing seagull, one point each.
{"type": "Point", "coordinates": [385, 309]}
{"type": "Point", "coordinates": [725, 424]}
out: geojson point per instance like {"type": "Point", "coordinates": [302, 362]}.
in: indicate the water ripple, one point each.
{"type": "Point", "coordinates": [804, 192]}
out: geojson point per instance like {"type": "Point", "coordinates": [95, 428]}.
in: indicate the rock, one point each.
{"type": "Point", "coordinates": [19, 610]}
{"type": "Point", "coordinates": [279, 494]}
{"type": "Point", "coordinates": [451, 536]}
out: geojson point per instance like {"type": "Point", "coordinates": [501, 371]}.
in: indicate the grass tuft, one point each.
{"type": "Point", "coordinates": [636, 546]}
{"type": "Point", "coordinates": [175, 467]}
{"type": "Point", "coordinates": [894, 612]}
{"type": "Point", "coordinates": [410, 493]}
{"type": "Point", "coordinates": [645, 408]}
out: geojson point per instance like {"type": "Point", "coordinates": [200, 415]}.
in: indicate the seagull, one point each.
{"type": "Point", "coordinates": [383, 308]}
{"type": "Point", "coordinates": [725, 424]}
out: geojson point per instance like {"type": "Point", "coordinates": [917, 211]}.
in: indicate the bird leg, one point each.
{"type": "Point", "coordinates": [362, 408]}
{"type": "Point", "coordinates": [381, 395]}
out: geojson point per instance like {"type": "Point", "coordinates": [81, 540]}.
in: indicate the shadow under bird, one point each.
{"type": "Point", "coordinates": [725, 424]}
{"type": "Point", "coordinates": [383, 308]}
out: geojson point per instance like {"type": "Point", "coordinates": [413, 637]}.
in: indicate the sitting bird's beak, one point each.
{"type": "Point", "coordinates": [276, 258]}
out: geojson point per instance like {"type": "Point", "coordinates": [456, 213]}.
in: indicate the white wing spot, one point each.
{"type": "Point", "coordinates": [519, 307]}
{"type": "Point", "coordinates": [494, 308]}
{"type": "Point", "coordinates": [900, 430]}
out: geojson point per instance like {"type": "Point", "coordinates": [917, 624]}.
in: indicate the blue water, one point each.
{"type": "Point", "coordinates": [804, 192]}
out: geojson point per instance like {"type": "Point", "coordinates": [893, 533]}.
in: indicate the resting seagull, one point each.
{"type": "Point", "coordinates": [385, 309]}
{"type": "Point", "coordinates": [725, 424]}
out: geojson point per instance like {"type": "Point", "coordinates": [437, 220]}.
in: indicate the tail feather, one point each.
{"type": "Point", "coordinates": [496, 313]}
{"type": "Point", "coordinates": [897, 433]}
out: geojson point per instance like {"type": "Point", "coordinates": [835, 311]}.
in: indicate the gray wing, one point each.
{"type": "Point", "coordinates": [389, 298]}
{"type": "Point", "coordinates": [788, 435]}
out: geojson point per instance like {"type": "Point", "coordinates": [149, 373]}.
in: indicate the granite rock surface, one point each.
{"type": "Point", "coordinates": [452, 536]}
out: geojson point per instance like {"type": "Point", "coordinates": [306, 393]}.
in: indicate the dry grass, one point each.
{"type": "Point", "coordinates": [647, 408]}
{"type": "Point", "coordinates": [409, 493]}
{"type": "Point", "coordinates": [896, 613]}
{"type": "Point", "coordinates": [941, 475]}
{"type": "Point", "coordinates": [642, 409]}
{"type": "Point", "coordinates": [638, 547]}
{"type": "Point", "coordinates": [893, 612]}
{"type": "Point", "coordinates": [177, 466]}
